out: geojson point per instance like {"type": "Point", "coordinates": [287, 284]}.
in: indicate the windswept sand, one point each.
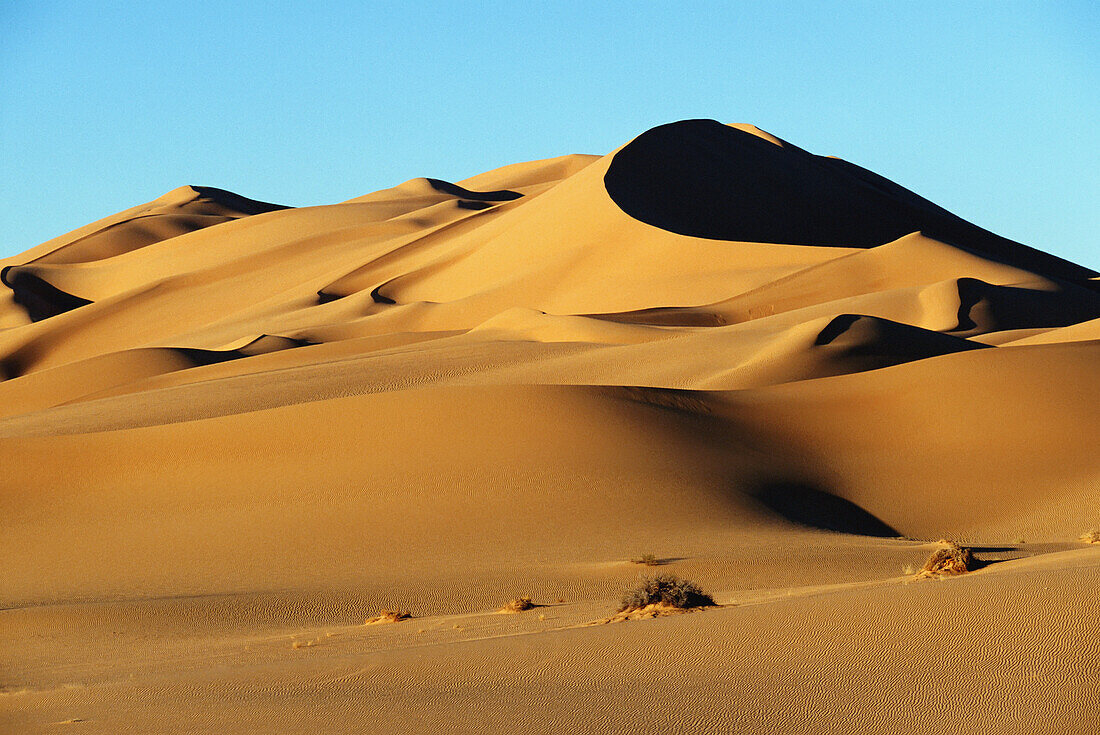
{"type": "Point", "coordinates": [232, 431]}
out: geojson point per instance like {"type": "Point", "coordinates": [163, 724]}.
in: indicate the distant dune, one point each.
{"type": "Point", "coordinates": [231, 431]}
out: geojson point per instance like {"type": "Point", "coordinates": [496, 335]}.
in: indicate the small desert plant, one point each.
{"type": "Point", "coordinates": [518, 604]}
{"type": "Point", "coordinates": [389, 616]}
{"type": "Point", "coordinates": [951, 559]}
{"type": "Point", "coordinates": [1091, 537]}
{"type": "Point", "coordinates": [665, 589]}
{"type": "Point", "coordinates": [648, 560]}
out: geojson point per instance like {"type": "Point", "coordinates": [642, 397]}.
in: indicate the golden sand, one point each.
{"type": "Point", "coordinates": [231, 431]}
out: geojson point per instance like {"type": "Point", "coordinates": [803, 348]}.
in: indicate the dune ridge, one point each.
{"type": "Point", "coordinates": [231, 431]}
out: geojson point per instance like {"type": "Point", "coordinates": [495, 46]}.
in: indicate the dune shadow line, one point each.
{"type": "Point", "coordinates": [39, 297]}
{"type": "Point", "coordinates": [500, 195]}
{"type": "Point", "coordinates": [806, 505]}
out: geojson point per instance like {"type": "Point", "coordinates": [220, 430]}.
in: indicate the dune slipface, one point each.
{"type": "Point", "coordinates": [232, 431]}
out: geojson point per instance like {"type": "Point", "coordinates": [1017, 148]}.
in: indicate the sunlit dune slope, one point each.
{"type": "Point", "coordinates": [707, 329]}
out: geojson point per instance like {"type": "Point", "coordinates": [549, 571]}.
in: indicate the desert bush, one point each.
{"type": "Point", "coordinates": [1091, 537]}
{"type": "Point", "coordinates": [648, 560]}
{"type": "Point", "coordinates": [389, 616]}
{"type": "Point", "coordinates": [518, 604]}
{"type": "Point", "coordinates": [665, 589]}
{"type": "Point", "coordinates": [951, 559]}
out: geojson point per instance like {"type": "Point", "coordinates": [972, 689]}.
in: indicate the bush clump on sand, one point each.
{"type": "Point", "coordinates": [388, 616]}
{"type": "Point", "coordinates": [1091, 537]}
{"type": "Point", "coordinates": [518, 604]}
{"type": "Point", "coordinates": [950, 560]}
{"type": "Point", "coordinates": [667, 590]}
{"type": "Point", "coordinates": [648, 560]}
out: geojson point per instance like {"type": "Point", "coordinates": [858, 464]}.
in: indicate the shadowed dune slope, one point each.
{"type": "Point", "coordinates": [231, 431]}
{"type": "Point", "coordinates": [699, 177]}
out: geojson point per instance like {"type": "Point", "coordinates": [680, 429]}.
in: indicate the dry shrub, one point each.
{"type": "Point", "coordinates": [667, 590]}
{"type": "Point", "coordinates": [648, 560]}
{"type": "Point", "coordinates": [519, 604]}
{"type": "Point", "coordinates": [952, 559]}
{"type": "Point", "coordinates": [1091, 537]}
{"type": "Point", "coordinates": [388, 616]}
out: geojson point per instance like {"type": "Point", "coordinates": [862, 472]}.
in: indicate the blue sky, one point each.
{"type": "Point", "coordinates": [990, 109]}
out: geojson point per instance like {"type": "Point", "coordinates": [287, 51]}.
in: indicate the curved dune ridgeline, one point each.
{"type": "Point", "coordinates": [232, 431]}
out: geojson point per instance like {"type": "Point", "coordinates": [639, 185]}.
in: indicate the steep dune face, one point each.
{"type": "Point", "coordinates": [709, 342]}
{"type": "Point", "coordinates": [699, 177]}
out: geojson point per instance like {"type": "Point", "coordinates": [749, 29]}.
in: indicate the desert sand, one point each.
{"type": "Point", "coordinates": [232, 432]}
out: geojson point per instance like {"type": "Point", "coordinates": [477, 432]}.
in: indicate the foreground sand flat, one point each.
{"type": "Point", "coordinates": [232, 431]}
{"type": "Point", "coordinates": [885, 654]}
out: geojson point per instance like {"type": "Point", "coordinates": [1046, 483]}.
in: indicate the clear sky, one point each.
{"type": "Point", "coordinates": [990, 109]}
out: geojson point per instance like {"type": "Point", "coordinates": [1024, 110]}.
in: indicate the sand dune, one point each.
{"type": "Point", "coordinates": [231, 431]}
